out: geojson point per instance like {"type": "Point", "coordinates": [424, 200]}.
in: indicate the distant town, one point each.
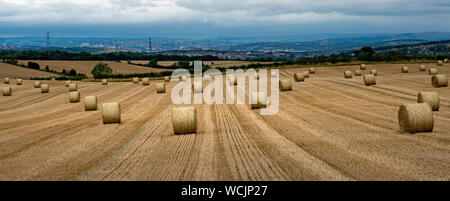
{"type": "Point", "coordinates": [431, 43]}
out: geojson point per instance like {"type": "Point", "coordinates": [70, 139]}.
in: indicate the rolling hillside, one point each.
{"type": "Point", "coordinates": [12, 71]}
{"type": "Point", "coordinates": [85, 67]}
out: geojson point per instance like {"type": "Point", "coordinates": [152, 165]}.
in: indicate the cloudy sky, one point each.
{"type": "Point", "coordinates": [224, 17]}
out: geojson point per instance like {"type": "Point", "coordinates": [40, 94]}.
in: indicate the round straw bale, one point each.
{"type": "Point", "coordinates": [74, 97]}
{"type": "Point", "coordinates": [184, 120]}
{"type": "Point", "coordinates": [440, 63]}
{"type": "Point", "coordinates": [19, 81]}
{"type": "Point", "coordinates": [90, 103]}
{"type": "Point", "coordinates": [358, 72]}
{"type": "Point", "coordinates": [422, 68]}
{"type": "Point", "coordinates": [446, 60]}
{"type": "Point", "coordinates": [104, 82]}
{"type": "Point", "coordinates": [6, 91]}
{"type": "Point", "coordinates": [73, 87]}
{"type": "Point", "coordinates": [258, 100]}
{"type": "Point", "coordinates": [405, 69]}
{"type": "Point", "coordinates": [197, 87]}
{"type": "Point", "coordinates": [67, 83]}
{"type": "Point", "coordinates": [347, 74]}
{"type": "Point", "coordinates": [6, 80]}
{"type": "Point", "coordinates": [160, 88]}
{"type": "Point", "coordinates": [145, 81]}
{"type": "Point", "coordinates": [285, 85]}
{"type": "Point", "coordinates": [37, 84]}
{"type": "Point", "coordinates": [369, 79]}
{"type": "Point", "coordinates": [135, 80]}
{"type": "Point", "coordinates": [439, 80]}
{"type": "Point", "coordinates": [374, 72]}
{"type": "Point", "coordinates": [166, 79]}
{"type": "Point", "coordinates": [432, 98]}
{"type": "Point", "coordinates": [111, 113]}
{"type": "Point", "coordinates": [432, 71]}
{"type": "Point", "coordinates": [312, 70]}
{"type": "Point", "coordinates": [52, 79]}
{"type": "Point", "coordinates": [45, 88]}
{"type": "Point", "coordinates": [299, 77]}
{"type": "Point", "coordinates": [362, 66]}
{"type": "Point", "coordinates": [306, 74]}
{"type": "Point", "coordinates": [413, 118]}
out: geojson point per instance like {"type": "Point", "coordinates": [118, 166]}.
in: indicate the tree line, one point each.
{"type": "Point", "coordinates": [363, 54]}
{"type": "Point", "coordinates": [84, 56]}
{"type": "Point", "coordinates": [102, 70]}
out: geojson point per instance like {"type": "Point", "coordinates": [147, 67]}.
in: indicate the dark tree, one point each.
{"type": "Point", "coordinates": [101, 68]}
{"type": "Point", "coordinates": [72, 72]}
{"type": "Point", "coordinates": [153, 63]}
{"type": "Point", "coordinates": [183, 64]}
{"type": "Point", "coordinates": [369, 50]}
{"type": "Point", "coordinates": [33, 65]}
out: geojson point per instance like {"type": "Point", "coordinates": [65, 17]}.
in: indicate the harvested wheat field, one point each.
{"type": "Point", "coordinates": [85, 67]}
{"type": "Point", "coordinates": [327, 128]}
{"type": "Point", "coordinates": [11, 71]}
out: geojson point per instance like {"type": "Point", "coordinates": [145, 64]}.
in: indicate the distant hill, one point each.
{"type": "Point", "coordinates": [426, 36]}
{"type": "Point", "coordinates": [277, 43]}
{"type": "Point", "coordinates": [12, 71]}
{"type": "Point", "coordinates": [425, 48]}
{"type": "Point", "coordinates": [432, 43]}
{"type": "Point", "coordinates": [409, 47]}
{"type": "Point", "coordinates": [343, 44]}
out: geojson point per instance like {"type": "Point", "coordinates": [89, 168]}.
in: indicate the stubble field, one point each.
{"type": "Point", "coordinates": [86, 67]}
{"type": "Point", "coordinates": [11, 71]}
{"type": "Point", "coordinates": [327, 128]}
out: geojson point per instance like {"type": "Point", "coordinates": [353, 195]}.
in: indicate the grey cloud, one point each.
{"type": "Point", "coordinates": [8, 9]}
{"type": "Point", "coordinates": [371, 14]}
{"type": "Point", "coordinates": [347, 7]}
